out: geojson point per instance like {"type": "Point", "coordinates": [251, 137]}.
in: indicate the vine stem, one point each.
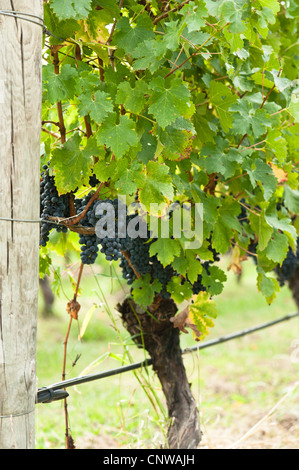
{"type": "Point", "coordinates": [78, 281]}
{"type": "Point", "coordinates": [68, 438]}
{"type": "Point", "coordinates": [196, 51]}
{"type": "Point", "coordinates": [59, 105]}
{"type": "Point", "coordinates": [86, 118]}
{"type": "Point", "coordinates": [108, 42]}
{"type": "Point", "coordinates": [75, 219]}
{"type": "Point", "coordinates": [165, 14]}
{"type": "Point", "coordinates": [244, 249]}
{"type": "Point", "coordinates": [127, 256]}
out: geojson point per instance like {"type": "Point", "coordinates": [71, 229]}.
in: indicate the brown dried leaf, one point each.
{"type": "Point", "coordinates": [182, 319]}
{"type": "Point", "coordinates": [73, 308]}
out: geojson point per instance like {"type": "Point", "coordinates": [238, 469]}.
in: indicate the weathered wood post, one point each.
{"type": "Point", "coordinates": [20, 110]}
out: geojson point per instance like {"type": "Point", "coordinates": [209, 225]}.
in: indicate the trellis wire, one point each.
{"type": "Point", "coordinates": [33, 221]}
{"type": "Point", "coordinates": [27, 17]}
{"type": "Point", "coordinates": [147, 362]}
{"type": "Point", "coordinates": [22, 16]}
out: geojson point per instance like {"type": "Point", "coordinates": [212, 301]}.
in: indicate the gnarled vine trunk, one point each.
{"type": "Point", "coordinates": [162, 341]}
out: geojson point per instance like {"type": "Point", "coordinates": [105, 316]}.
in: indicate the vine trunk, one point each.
{"type": "Point", "coordinates": [155, 332]}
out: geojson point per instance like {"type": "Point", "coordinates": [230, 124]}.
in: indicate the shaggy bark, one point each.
{"type": "Point", "coordinates": [162, 341]}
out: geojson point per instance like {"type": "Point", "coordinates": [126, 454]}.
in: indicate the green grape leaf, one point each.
{"type": "Point", "coordinates": [233, 15]}
{"type": "Point", "coordinates": [179, 290]}
{"type": "Point", "coordinates": [268, 286]}
{"type": "Point", "coordinates": [172, 35]}
{"type": "Point", "coordinates": [260, 173]}
{"type": "Point", "coordinates": [119, 137]}
{"type": "Point", "coordinates": [215, 160]}
{"type": "Point", "coordinates": [272, 4]}
{"type": "Point", "coordinates": [157, 185]}
{"type": "Point", "coordinates": [59, 28]}
{"type": "Point", "coordinates": [248, 120]}
{"type": "Point", "coordinates": [71, 8]}
{"type": "Point", "coordinates": [194, 15]}
{"type": "Point", "coordinates": [285, 225]}
{"type": "Point", "coordinates": [194, 269]}
{"type": "Point", "coordinates": [127, 36]}
{"type": "Point", "coordinates": [98, 105]}
{"type": "Point", "coordinates": [293, 108]}
{"type": "Point", "coordinates": [291, 199]}
{"type": "Point", "coordinates": [277, 247]}
{"type": "Point", "coordinates": [181, 264]}
{"type": "Point", "coordinates": [262, 228]}
{"type": "Point", "coordinates": [62, 86]}
{"type": "Point", "coordinates": [72, 165]}
{"type": "Point", "coordinates": [143, 290]}
{"type": "Point", "coordinates": [213, 280]}
{"type": "Point", "coordinates": [221, 237]}
{"type": "Point", "coordinates": [205, 131]}
{"type": "Point", "coordinates": [174, 142]}
{"type": "Point", "coordinates": [44, 264]}
{"type": "Point", "coordinates": [129, 178]}
{"type": "Point", "coordinates": [147, 56]}
{"type": "Point", "coordinates": [222, 99]}
{"type": "Point", "coordinates": [277, 144]}
{"type": "Point", "coordinates": [170, 100]}
{"type": "Point", "coordinates": [165, 249]}
{"type": "Point", "coordinates": [104, 170]}
{"type": "Point", "coordinates": [132, 98]}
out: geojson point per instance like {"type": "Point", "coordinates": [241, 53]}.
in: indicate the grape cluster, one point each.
{"type": "Point", "coordinates": [51, 204]}
{"type": "Point", "coordinates": [110, 241]}
{"type": "Point", "coordinates": [163, 274]}
{"type": "Point", "coordinates": [93, 181]}
{"type": "Point", "coordinates": [198, 285]}
{"type": "Point", "coordinates": [88, 243]}
{"type": "Point", "coordinates": [115, 241]}
{"type": "Point", "coordinates": [89, 248]}
{"type": "Point", "coordinates": [288, 267]}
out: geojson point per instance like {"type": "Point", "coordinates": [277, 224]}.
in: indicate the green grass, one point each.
{"type": "Point", "coordinates": [234, 383]}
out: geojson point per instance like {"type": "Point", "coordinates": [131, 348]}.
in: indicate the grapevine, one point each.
{"type": "Point", "coordinates": [194, 102]}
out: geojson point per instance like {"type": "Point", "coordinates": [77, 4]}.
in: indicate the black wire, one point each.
{"type": "Point", "coordinates": [148, 362]}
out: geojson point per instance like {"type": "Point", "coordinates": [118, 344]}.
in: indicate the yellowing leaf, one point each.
{"type": "Point", "coordinates": [281, 175]}
{"type": "Point", "coordinates": [201, 313]}
{"type": "Point", "coordinates": [235, 262]}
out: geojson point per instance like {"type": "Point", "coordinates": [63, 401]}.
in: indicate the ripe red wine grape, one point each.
{"type": "Point", "coordinates": [51, 204]}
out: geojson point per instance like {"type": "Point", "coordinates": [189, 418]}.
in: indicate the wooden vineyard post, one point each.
{"type": "Point", "coordinates": [20, 116]}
